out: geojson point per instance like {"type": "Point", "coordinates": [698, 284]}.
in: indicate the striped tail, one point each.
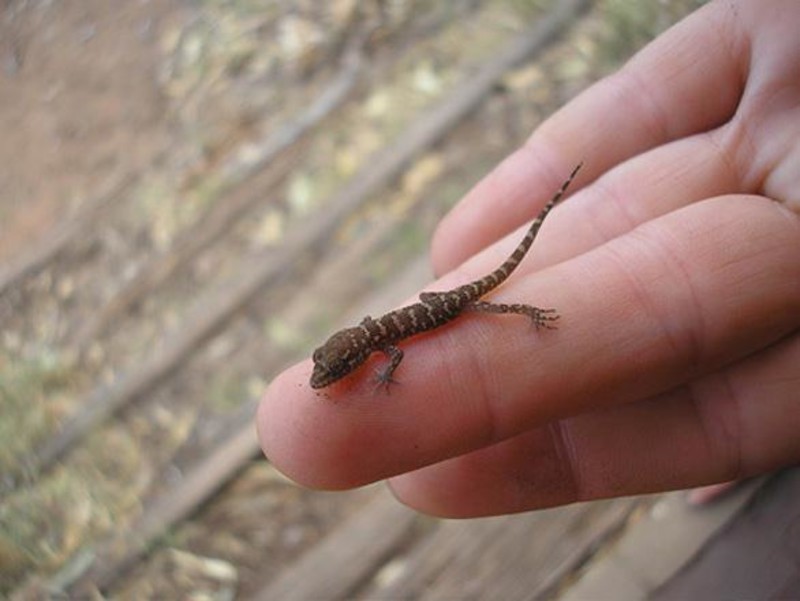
{"type": "Point", "coordinates": [482, 286]}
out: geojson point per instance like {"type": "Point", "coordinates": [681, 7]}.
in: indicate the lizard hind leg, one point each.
{"type": "Point", "coordinates": [384, 378]}
{"type": "Point", "coordinates": [541, 318]}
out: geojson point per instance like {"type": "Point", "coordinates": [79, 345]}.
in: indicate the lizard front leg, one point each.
{"type": "Point", "coordinates": [395, 356]}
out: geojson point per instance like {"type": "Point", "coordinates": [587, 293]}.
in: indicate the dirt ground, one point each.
{"type": "Point", "coordinates": [149, 128]}
{"type": "Point", "coordinates": [81, 105]}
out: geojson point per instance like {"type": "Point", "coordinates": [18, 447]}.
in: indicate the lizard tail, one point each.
{"type": "Point", "coordinates": [499, 275]}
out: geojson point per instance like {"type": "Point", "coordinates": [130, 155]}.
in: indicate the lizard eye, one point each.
{"type": "Point", "coordinates": [317, 356]}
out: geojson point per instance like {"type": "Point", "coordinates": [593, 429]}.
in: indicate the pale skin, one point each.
{"type": "Point", "coordinates": [675, 267]}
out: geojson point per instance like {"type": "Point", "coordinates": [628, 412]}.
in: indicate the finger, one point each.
{"type": "Point", "coordinates": [677, 297]}
{"type": "Point", "coordinates": [733, 424]}
{"type": "Point", "coordinates": [646, 187]}
{"type": "Point", "coordinates": [764, 135]}
{"type": "Point", "coordinates": [710, 493]}
{"type": "Point", "coordinates": [689, 80]}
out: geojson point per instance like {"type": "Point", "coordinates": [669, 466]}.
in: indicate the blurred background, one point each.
{"type": "Point", "coordinates": [193, 194]}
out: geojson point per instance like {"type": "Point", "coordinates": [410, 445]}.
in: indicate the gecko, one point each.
{"type": "Point", "coordinates": [348, 349]}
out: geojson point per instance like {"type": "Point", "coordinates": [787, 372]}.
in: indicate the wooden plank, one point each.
{"type": "Point", "coordinates": [523, 556]}
{"type": "Point", "coordinates": [757, 556]}
{"type": "Point", "coordinates": [658, 545]}
{"type": "Point", "coordinates": [342, 561]}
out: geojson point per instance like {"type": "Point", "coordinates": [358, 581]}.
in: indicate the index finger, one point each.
{"type": "Point", "coordinates": [672, 299]}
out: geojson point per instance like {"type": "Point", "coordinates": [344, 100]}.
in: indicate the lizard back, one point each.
{"type": "Point", "coordinates": [347, 349]}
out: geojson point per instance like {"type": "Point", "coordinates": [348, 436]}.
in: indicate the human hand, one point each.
{"type": "Point", "coordinates": [675, 272]}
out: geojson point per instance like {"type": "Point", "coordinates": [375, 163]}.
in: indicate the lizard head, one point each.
{"type": "Point", "coordinates": [341, 354]}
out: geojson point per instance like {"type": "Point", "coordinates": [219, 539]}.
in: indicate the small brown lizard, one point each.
{"type": "Point", "coordinates": [347, 349]}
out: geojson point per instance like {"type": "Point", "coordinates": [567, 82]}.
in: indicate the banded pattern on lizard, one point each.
{"type": "Point", "coordinates": [347, 349]}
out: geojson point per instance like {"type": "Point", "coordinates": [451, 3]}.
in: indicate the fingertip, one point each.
{"type": "Point", "coordinates": [271, 425]}
{"type": "Point", "coordinates": [290, 422]}
{"type": "Point", "coordinates": [336, 438]}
